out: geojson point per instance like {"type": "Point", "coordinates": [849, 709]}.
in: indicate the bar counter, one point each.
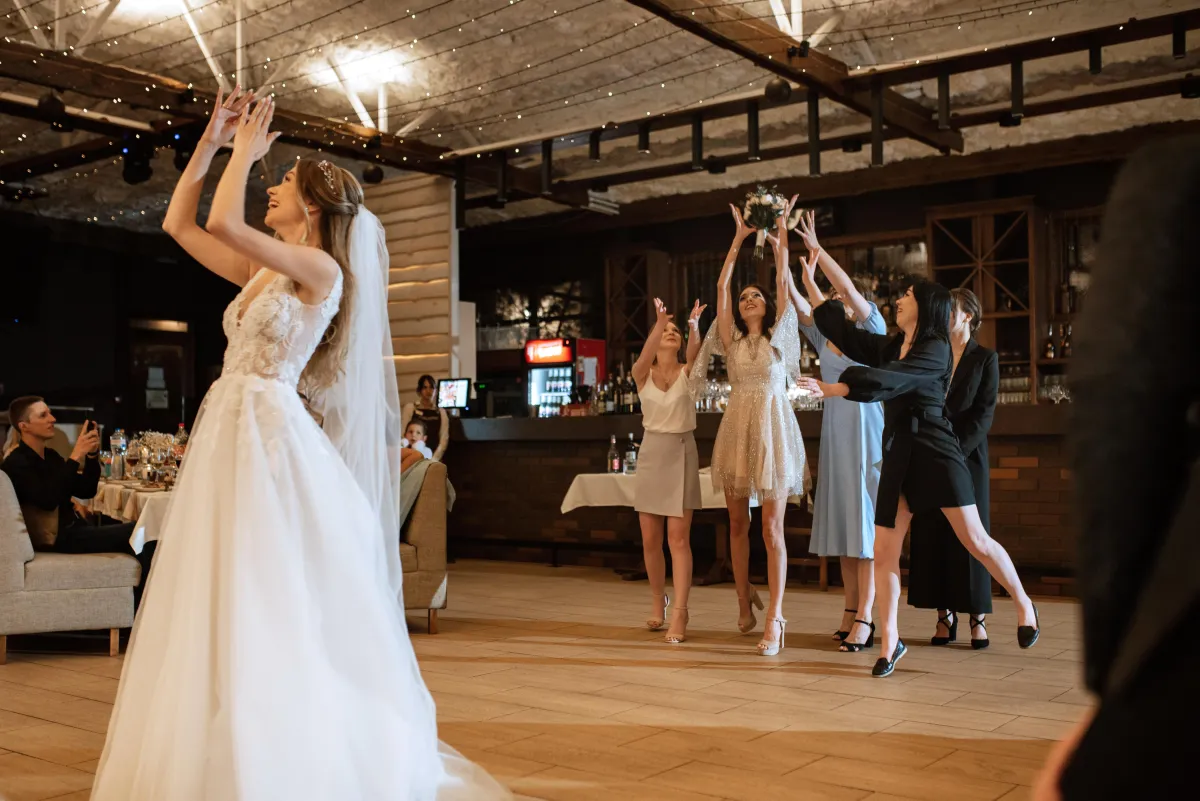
{"type": "Point", "coordinates": [511, 474]}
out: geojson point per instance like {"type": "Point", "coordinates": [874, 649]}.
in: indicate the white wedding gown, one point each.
{"type": "Point", "coordinates": [270, 660]}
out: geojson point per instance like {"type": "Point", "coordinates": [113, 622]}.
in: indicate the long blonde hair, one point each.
{"type": "Point", "coordinates": [338, 195]}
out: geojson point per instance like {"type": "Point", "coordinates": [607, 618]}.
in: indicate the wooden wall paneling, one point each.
{"type": "Point", "coordinates": [416, 213]}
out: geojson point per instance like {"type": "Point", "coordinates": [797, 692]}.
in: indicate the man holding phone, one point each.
{"type": "Point", "coordinates": [45, 483]}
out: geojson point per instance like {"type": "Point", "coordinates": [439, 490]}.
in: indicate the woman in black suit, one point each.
{"type": "Point", "coordinates": [923, 465]}
{"type": "Point", "coordinates": [942, 574]}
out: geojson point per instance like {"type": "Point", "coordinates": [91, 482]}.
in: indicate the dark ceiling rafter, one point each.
{"type": "Point", "coordinates": [1001, 55]}
{"type": "Point", "coordinates": [159, 94]}
{"type": "Point", "coordinates": [855, 140]}
{"type": "Point", "coordinates": [1083, 149]}
{"type": "Point", "coordinates": [735, 29]}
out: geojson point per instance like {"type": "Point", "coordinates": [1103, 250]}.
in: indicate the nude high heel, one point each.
{"type": "Point", "coordinates": [675, 637]}
{"type": "Point", "coordinates": [747, 626]}
{"type": "Point", "coordinates": [656, 624]}
{"type": "Point", "coordinates": [765, 646]}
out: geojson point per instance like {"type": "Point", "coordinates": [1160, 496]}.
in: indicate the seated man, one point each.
{"type": "Point", "coordinates": [45, 482]}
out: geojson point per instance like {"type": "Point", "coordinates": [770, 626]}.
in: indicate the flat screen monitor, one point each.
{"type": "Point", "coordinates": [453, 393]}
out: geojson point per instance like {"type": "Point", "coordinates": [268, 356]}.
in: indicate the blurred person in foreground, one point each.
{"type": "Point", "coordinates": [1134, 433]}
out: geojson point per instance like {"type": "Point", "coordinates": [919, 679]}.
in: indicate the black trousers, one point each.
{"type": "Point", "coordinates": [82, 538]}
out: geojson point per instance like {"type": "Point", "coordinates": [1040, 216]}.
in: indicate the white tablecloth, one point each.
{"type": "Point", "coordinates": [616, 489]}
{"type": "Point", "coordinates": [129, 503]}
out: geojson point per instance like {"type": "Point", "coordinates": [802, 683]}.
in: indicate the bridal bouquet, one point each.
{"type": "Point", "coordinates": [762, 210]}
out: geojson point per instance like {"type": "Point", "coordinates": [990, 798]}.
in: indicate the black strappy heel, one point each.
{"type": "Point", "coordinates": [842, 635]}
{"type": "Point", "coordinates": [978, 623]}
{"type": "Point", "coordinates": [1028, 635]}
{"type": "Point", "coordinates": [855, 647]}
{"type": "Point", "coordinates": [884, 667]}
{"type": "Point", "coordinates": [951, 623]}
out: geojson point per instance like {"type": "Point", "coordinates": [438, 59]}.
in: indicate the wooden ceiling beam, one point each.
{"type": "Point", "coordinates": [93, 150]}
{"type": "Point", "coordinates": [160, 94]}
{"type": "Point", "coordinates": [1105, 147]}
{"type": "Point", "coordinates": [735, 29]}
{"type": "Point", "coordinates": [1002, 54]}
{"type": "Point", "coordinates": [992, 115]}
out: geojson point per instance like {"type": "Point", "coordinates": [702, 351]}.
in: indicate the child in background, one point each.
{"type": "Point", "coordinates": [414, 437]}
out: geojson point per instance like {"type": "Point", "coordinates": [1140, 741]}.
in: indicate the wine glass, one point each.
{"type": "Point", "coordinates": [158, 457]}
{"type": "Point", "coordinates": [133, 456]}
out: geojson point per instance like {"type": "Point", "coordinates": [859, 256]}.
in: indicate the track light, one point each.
{"type": "Point", "coordinates": [1189, 87]}
{"type": "Point", "coordinates": [55, 112]}
{"type": "Point", "coordinates": [594, 145]}
{"type": "Point", "coordinates": [136, 168]}
{"type": "Point", "coordinates": [1095, 60]}
{"type": "Point", "coordinates": [184, 144]}
{"type": "Point", "coordinates": [852, 145]}
{"type": "Point", "coordinates": [372, 174]}
{"type": "Point", "coordinates": [643, 137]}
{"type": "Point", "coordinates": [1009, 120]}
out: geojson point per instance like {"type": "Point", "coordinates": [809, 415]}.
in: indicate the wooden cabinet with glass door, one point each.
{"type": "Point", "coordinates": [995, 249]}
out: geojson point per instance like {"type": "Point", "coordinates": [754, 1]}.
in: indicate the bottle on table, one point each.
{"type": "Point", "coordinates": [614, 456]}
{"type": "Point", "coordinates": [117, 444]}
{"type": "Point", "coordinates": [631, 456]}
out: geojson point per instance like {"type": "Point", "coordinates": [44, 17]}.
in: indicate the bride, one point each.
{"type": "Point", "coordinates": [270, 658]}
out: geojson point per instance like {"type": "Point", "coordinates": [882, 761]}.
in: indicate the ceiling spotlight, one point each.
{"type": "Point", "coordinates": [372, 174]}
{"type": "Point", "coordinates": [1009, 120]}
{"type": "Point", "coordinates": [852, 145]}
{"type": "Point", "coordinates": [714, 165]}
{"type": "Point", "coordinates": [643, 137]}
{"type": "Point", "coordinates": [594, 145]}
{"type": "Point", "coordinates": [1189, 87]}
{"type": "Point", "coordinates": [136, 168]}
{"type": "Point", "coordinates": [54, 111]}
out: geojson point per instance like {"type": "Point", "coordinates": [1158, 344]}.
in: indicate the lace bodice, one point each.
{"type": "Point", "coordinates": [277, 332]}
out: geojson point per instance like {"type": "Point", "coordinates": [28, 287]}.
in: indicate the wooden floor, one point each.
{"type": "Point", "coordinates": [544, 676]}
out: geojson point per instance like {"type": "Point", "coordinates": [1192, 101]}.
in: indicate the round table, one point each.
{"type": "Point", "coordinates": [129, 502]}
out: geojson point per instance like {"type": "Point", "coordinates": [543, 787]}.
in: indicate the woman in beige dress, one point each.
{"type": "Point", "coordinates": [759, 453]}
{"type": "Point", "coordinates": [667, 481]}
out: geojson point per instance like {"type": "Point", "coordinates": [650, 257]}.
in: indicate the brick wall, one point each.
{"type": "Point", "coordinates": [510, 493]}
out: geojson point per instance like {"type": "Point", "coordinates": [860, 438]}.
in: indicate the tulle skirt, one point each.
{"type": "Point", "coordinates": [269, 659]}
{"type": "Point", "coordinates": [759, 452]}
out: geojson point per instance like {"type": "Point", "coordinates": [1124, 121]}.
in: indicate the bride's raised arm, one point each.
{"type": "Point", "coordinates": [180, 220]}
{"type": "Point", "coordinates": [312, 268]}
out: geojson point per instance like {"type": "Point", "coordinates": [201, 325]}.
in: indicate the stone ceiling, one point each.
{"type": "Point", "coordinates": [466, 73]}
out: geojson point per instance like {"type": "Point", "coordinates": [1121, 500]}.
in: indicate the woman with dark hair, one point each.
{"type": "Point", "coordinates": [437, 422]}
{"type": "Point", "coordinates": [923, 465]}
{"type": "Point", "coordinates": [758, 453]}
{"type": "Point", "coordinates": [942, 574]}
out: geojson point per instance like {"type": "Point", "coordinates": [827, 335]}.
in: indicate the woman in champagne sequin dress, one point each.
{"type": "Point", "coordinates": [759, 453]}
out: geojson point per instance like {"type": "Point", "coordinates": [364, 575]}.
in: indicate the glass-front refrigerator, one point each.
{"type": "Point", "coordinates": [558, 368]}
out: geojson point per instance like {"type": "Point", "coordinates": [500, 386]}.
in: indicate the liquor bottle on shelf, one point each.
{"type": "Point", "coordinates": [1048, 349]}
{"type": "Point", "coordinates": [631, 456]}
{"type": "Point", "coordinates": [1064, 348]}
{"type": "Point", "coordinates": [1066, 299]}
{"type": "Point", "coordinates": [614, 456]}
{"type": "Point", "coordinates": [635, 406]}
{"type": "Point", "coordinates": [609, 396]}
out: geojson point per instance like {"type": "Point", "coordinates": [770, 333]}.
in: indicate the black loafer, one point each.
{"type": "Point", "coordinates": [883, 667]}
{"type": "Point", "coordinates": [1028, 635]}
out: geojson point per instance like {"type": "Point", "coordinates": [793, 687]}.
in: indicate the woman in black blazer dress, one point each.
{"type": "Point", "coordinates": [942, 575]}
{"type": "Point", "coordinates": [923, 465]}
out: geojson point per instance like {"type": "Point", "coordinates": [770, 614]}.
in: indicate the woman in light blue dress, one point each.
{"type": "Point", "coordinates": [851, 450]}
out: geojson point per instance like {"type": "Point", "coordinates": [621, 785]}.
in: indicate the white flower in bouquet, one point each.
{"type": "Point", "coordinates": [157, 441]}
{"type": "Point", "coordinates": [762, 211]}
